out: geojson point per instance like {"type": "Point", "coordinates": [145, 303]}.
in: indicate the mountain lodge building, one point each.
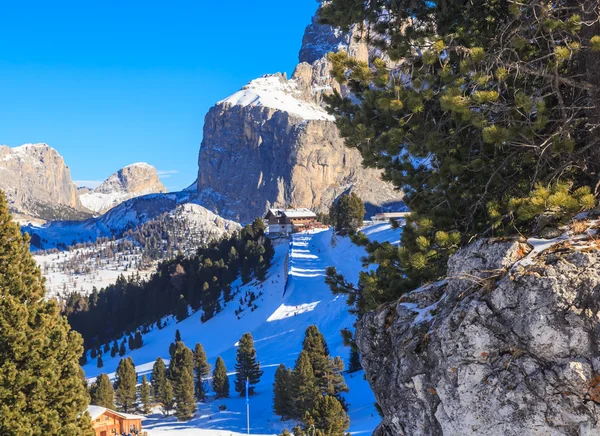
{"type": "Point", "coordinates": [286, 221]}
{"type": "Point", "coordinates": [108, 422]}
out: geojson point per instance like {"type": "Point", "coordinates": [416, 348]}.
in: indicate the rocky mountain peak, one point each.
{"type": "Point", "coordinates": [38, 184]}
{"type": "Point", "coordinates": [131, 181]}
{"type": "Point", "coordinates": [273, 144]}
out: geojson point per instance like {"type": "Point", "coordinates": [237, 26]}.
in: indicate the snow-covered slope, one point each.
{"type": "Point", "coordinates": [284, 312]}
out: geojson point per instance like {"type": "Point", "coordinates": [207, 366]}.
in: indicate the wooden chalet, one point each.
{"type": "Point", "coordinates": [286, 221]}
{"type": "Point", "coordinates": [108, 422]}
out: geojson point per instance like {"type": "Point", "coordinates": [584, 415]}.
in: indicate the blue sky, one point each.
{"type": "Point", "coordinates": [108, 83]}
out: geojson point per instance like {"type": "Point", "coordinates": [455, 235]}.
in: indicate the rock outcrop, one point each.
{"type": "Point", "coordinates": [38, 184]}
{"type": "Point", "coordinates": [132, 181]}
{"type": "Point", "coordinates": [502, 347]}
{"type": "Point", "coordinates": [272, 144]}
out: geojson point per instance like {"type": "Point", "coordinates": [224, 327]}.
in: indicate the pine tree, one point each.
{"type": "Point", "coordinates": [328, 416]}
{"type": "Point", "coordinates": [145, 395]}
{"type": "Point", "coordinates": [220, 379]}
{"type": "Point", "coordinates": [100, 363]}
{"type": "Point", "coordinates": [131, 342]}
{"type": "Point", "coordinates": [125, 385]}
{"type": "Point", "coordinates": [122, 349]}
{"type": "Point", "coordinates": [247, 367]}
{"type": "Point", "coordinates": [201, 371]}
{"type": "Point", "coordinates": [283, 402]}
{"type": "Point", "coordinates": [159, 376]}
{"type": "Point", "coordinates": [181, 375]}
{"type": "Point", "coordinates": [304, 386]}
{"type": "Point", "coordinates": [181, 312]}
{"type": "Point", "coordinates": [103, 394]}
{"type": "Point", "coordinates": [138, 339]}
{"type": "Point", "coordinates": [168, 397]}
{"type": "Point", "coordinates": [42, 389]}
{"type": "Point", "coordinates": [107, 348]}
{"type": "Point", "coordinates": [354, 361]}
{"type": "Point", "coordinates": [114, 350]}
{"type": "Point", "coordinates": [93, 353]}
{"type": "Point", "coordinates": [347, 213]}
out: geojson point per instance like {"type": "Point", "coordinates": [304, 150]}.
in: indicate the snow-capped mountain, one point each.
{"type": "Point", "coordinates": [132, 181]}
{"type": "Point", "coordinates": [273, 144]}
{"type": "Point", "coordinates": [38, 184]}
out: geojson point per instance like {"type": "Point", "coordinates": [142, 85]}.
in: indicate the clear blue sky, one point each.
{"type": "Point", "coordinates": [108, 83]}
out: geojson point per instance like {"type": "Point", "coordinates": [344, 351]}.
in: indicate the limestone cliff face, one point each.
{"type": "Point", "coordinates": [132, 181]}
{"type": "Point", "coordinates": [505, 346]}
{"type": "Point", "coordinates": [38, 183]}
{"type": "Point", "coordinates": [272, 144]}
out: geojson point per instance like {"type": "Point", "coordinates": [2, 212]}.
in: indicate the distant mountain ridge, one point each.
{"type": "Point", "coordinates": [38, 184]}
{"type": "Point", "coordinates": [132, 181]}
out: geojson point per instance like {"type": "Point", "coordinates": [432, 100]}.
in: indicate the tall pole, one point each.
{"type": "Point", "coordinates": [247, 405]}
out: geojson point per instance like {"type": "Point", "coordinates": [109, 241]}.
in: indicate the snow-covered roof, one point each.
{"type": "Point", "coordinates": [293, 213]}
{"type": "Point", "coordinates": [275, 92]}
{"type": "Point", "coordinates": [97, 411]}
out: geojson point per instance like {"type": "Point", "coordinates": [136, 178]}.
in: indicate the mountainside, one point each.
{"type": "Point", "coordinates": [293, 297]}
{"type": "Point", "coordinates": [38, 183]}
{"type": "Point", "coordinates": [273, 144]}
{"type": "Point", "coordinates": [132, 181]}
{"type": "Point", "coordinates": [506, 346]}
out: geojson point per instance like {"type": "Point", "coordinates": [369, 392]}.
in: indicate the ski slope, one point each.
{"type": "Point", "coordinates": [284, 312]}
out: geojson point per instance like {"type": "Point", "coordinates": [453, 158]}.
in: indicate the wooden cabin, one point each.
{"type": "Point", "coordinates": [108, 422]}
{"type": "Point", "coordinates": [286, 221]}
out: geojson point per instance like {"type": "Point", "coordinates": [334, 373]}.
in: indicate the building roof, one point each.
{"type": "Point", "coordinates": [292, 213]}
{"type": "Point", "coordinates": [97, 411]}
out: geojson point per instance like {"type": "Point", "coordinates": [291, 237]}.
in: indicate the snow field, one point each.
{"type": "Point", "coordinates": [277, 326]}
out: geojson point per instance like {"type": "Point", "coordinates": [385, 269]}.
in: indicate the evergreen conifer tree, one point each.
{"type": "Point", "coordinates": [220, 379]}
{"type": "Point", "coordinates": [145, 395]}
{"type": "Point", "coordinates": [103, 393]}
{"type": "Point", "coordinates": [247, 367]}
{"type": "Point", "coordinates": [354, 362]}
{"type": "Point", "coordinates": [122, 349]}
{"type": "Point", "coordinates": [168, 397]}
{"type": "Point", "coordinates": [283, 402]}
{"type": "Point", "coordinates": [114, 350]}
{"type": "Point", "coordinates": [328, 417]}
{"type": "Point", "coordinates": [304, 386]}
{"type": "Point", "coordinates": [181, 374]}
{"type": "Point", "coordinates": [138, 339]}
{"type": "Point", "coordinates": [100, 363]}
{"type": "Point", "coordinates": [125, 385]}
{"type": "Point", "coordinates": [93, 353]}
{"type": "Point", "coordinates": [201, 371]}
{"type": "Point", "coordinates": [159, 376]}
{"type": "Point", "coordinates": [347, 213]}
{"type": "Point", "coordinates": [181, 312]}
{"type": "Point", "coordinates": [42, 391]}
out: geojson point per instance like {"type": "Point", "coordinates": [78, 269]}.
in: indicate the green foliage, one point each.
{"type": "Point", "coordinates": [501, 98]}
{"type": "Point", "coordinates": [42, 390]}
{"type": "Point", "coordinates": [283, 401]}
{"type": "Point", "coordinates": [347, 213]}
{"type": "Point", "coordinates": [304, 385]}
{"type": "Point", "coordinates": [328, 417]}
{"type": "Point", "coordinates": [201, 371]}
{"type": "Point", "coordinates": [168, 397]}
{"type": "Point", "coordinates": [102, 393]}
{"type": "Point", "coordinates": [181, 375]}
{"type": "Point", "coordinates": [125, 386]}
{"type": "Point", "coordinates": [159, 377]}
{"type": "Point", "coordinates": [200, 281]}
{"type": "Point", "coordinates": [220, 379]}
{"type": "Point", "coordinates": [145, 395]}
{"type": "Point", "coordinates": [247, 367]}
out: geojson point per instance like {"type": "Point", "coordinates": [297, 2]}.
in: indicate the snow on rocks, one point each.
{"type": "Point", "coordinates": [275, 92]}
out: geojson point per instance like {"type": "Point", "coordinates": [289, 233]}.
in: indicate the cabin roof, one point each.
{"type": "Point", "coordinates": [97, 411]}
{"type": "Point", "coordinates": [292, 213]}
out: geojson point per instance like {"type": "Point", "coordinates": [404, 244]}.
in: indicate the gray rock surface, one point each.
{"type": "Point", "coordinates": [132, 181]}
{"type": "Point", "coordinates": [272, 144]}
{"type": "Point", "coordinates": [38, 184]}
{"type": "Point", "coordinates": [495, 350]}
